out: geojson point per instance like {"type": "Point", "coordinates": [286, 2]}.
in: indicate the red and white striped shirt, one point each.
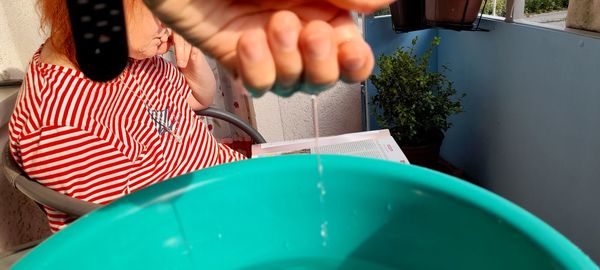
{"type": "Point", "coordinates": [99, 141]}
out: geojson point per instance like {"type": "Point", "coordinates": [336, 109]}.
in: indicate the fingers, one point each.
{"type": "Point", "coordinates": [314, 56]}
{"type": "Point", "coordinates": [356, 61]}
{"type": "Point", "coordinates": [319, 55]}
{"type": "Point", "coordinates": [354, 54]}
{"type": "Point", "coordinates": [194, 54]}
{"type": "Point", "coordinates": [256, 65]}
{"type": "Point", "coordinates": [283, 31]}
{"type": "Point", "coordinates": [182, 50]}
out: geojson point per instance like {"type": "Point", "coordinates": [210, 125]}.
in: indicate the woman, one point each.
{"type": "Point", "coordinates": [100, 141]}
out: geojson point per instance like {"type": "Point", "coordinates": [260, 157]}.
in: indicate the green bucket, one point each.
{"type": "Point", "coordinates": [279, 213]}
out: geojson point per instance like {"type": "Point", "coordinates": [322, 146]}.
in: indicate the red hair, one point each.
{"type": "Point", "coordinates": [55, 17]}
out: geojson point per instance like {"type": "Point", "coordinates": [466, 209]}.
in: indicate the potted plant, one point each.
{"type": "Point", "coordinates": [408, 15]}
{"type": "Point", "coordinates": [414, 103]}
{"type": "Point", "coordinates": [452, 13]}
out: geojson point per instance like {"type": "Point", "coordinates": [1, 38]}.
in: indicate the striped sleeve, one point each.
{"type": "Point", "coordinates": [76, 163]}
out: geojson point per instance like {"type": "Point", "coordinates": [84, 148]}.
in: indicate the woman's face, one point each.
{"type": "Point", "coordinates": [146, 35]}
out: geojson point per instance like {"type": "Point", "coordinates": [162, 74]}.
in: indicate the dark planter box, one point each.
{"type": "Point", "coordinates": [451, 13]}
{"type": "Point", "coordinates": [425, 155]}
{"type": "Point", "coordinates": [408, 15]}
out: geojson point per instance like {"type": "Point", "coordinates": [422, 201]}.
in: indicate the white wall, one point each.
{"type": "Point", "coordinates": [291, 118]}
{"type": "Point", "coordinates": [8, 57]}
{"type": "Point", "coordinates": [20, 35]}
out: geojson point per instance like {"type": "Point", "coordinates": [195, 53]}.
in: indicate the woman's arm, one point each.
{"type": "Point", "coordinates": [201, 80]}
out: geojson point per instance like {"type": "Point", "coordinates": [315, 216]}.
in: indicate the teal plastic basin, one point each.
{"type": "Point", "coordinates": [278, 213]}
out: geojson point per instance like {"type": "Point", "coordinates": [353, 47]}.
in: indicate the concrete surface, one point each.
{"type": "Point", "coordinates": [555, 18]}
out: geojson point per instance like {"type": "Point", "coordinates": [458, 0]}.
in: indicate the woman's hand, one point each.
{"type": "Point", "coordinates": [182, 50]}
{"type": "Point", "coordinates": [197, 73]}
{"type": "Point", "coordinates": [286, 46]}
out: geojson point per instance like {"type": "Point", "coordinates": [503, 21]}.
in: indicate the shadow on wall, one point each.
{"type": "Point", "coordinates": [12, 74]}
{"type": "Point", "coordinates": [22, 219]}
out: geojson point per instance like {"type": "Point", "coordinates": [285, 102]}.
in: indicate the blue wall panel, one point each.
{"type": "Point", "coordinates": [531, 127]}
{"type": "Point", "coordinates": [531, 130]}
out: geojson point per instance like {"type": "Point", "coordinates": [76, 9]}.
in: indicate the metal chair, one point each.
{"type": "Point", "coordinates": [77, 208]}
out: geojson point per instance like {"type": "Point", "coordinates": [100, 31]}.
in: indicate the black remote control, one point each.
{"type": "Point", "coordinates": [100, 38]}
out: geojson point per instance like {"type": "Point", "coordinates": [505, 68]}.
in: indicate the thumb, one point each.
{"type": "Point", "coordinates": [366, 6]}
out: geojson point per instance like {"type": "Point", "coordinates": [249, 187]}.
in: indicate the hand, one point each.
{"type": "Point", "coordinates": [197, 73]}
{"type": "Point", "coordinates": [182, 50]}
{"type": "Point", "coordinates": [276, 44]}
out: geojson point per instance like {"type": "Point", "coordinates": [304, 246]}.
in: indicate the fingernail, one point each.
{"type": "Point", "coordinates": [284, 91]}
{"type": "Point", "coordinates": [314, 89]}
{"type": "Point", "coordinates": [253, 51]}
{"type": "Point", "coordinates": [318, 46]}
{"type": "Point", "coordinates": [353, 63]}
{"type": "Point", "coordinates": [287, 39]}
{"type": "Point", "coordinates": [255, 93]}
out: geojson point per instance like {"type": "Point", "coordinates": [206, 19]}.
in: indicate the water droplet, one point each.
{"type": "Point", "coordinates": [324, 232]}
{"type": "Point", "coordinates": [321, 187]}
{"type": "Point", "coordinates": [171, 242]}
{"type": "Point", "coordinates": [389, 207]}
{"type": "Point", "coordinates": [220, 236]}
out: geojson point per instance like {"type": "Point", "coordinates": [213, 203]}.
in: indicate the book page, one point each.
{"type": "Point", "coordinates": [371, 144]}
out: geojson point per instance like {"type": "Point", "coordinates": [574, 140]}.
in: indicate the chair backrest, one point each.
{"type": "Point", "coordinates": [39, 193]}
{"type": "Point", "coordinates": [21, 219]}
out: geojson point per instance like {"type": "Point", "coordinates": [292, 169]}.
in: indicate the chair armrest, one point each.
{"type": "Point", "coordinates": [234, 120]}
{"type": "Point", "coordinates": [40, 193]}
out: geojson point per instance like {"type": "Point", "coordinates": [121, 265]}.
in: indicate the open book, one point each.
{"type": "Point", "coordinates": [377, 144]}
